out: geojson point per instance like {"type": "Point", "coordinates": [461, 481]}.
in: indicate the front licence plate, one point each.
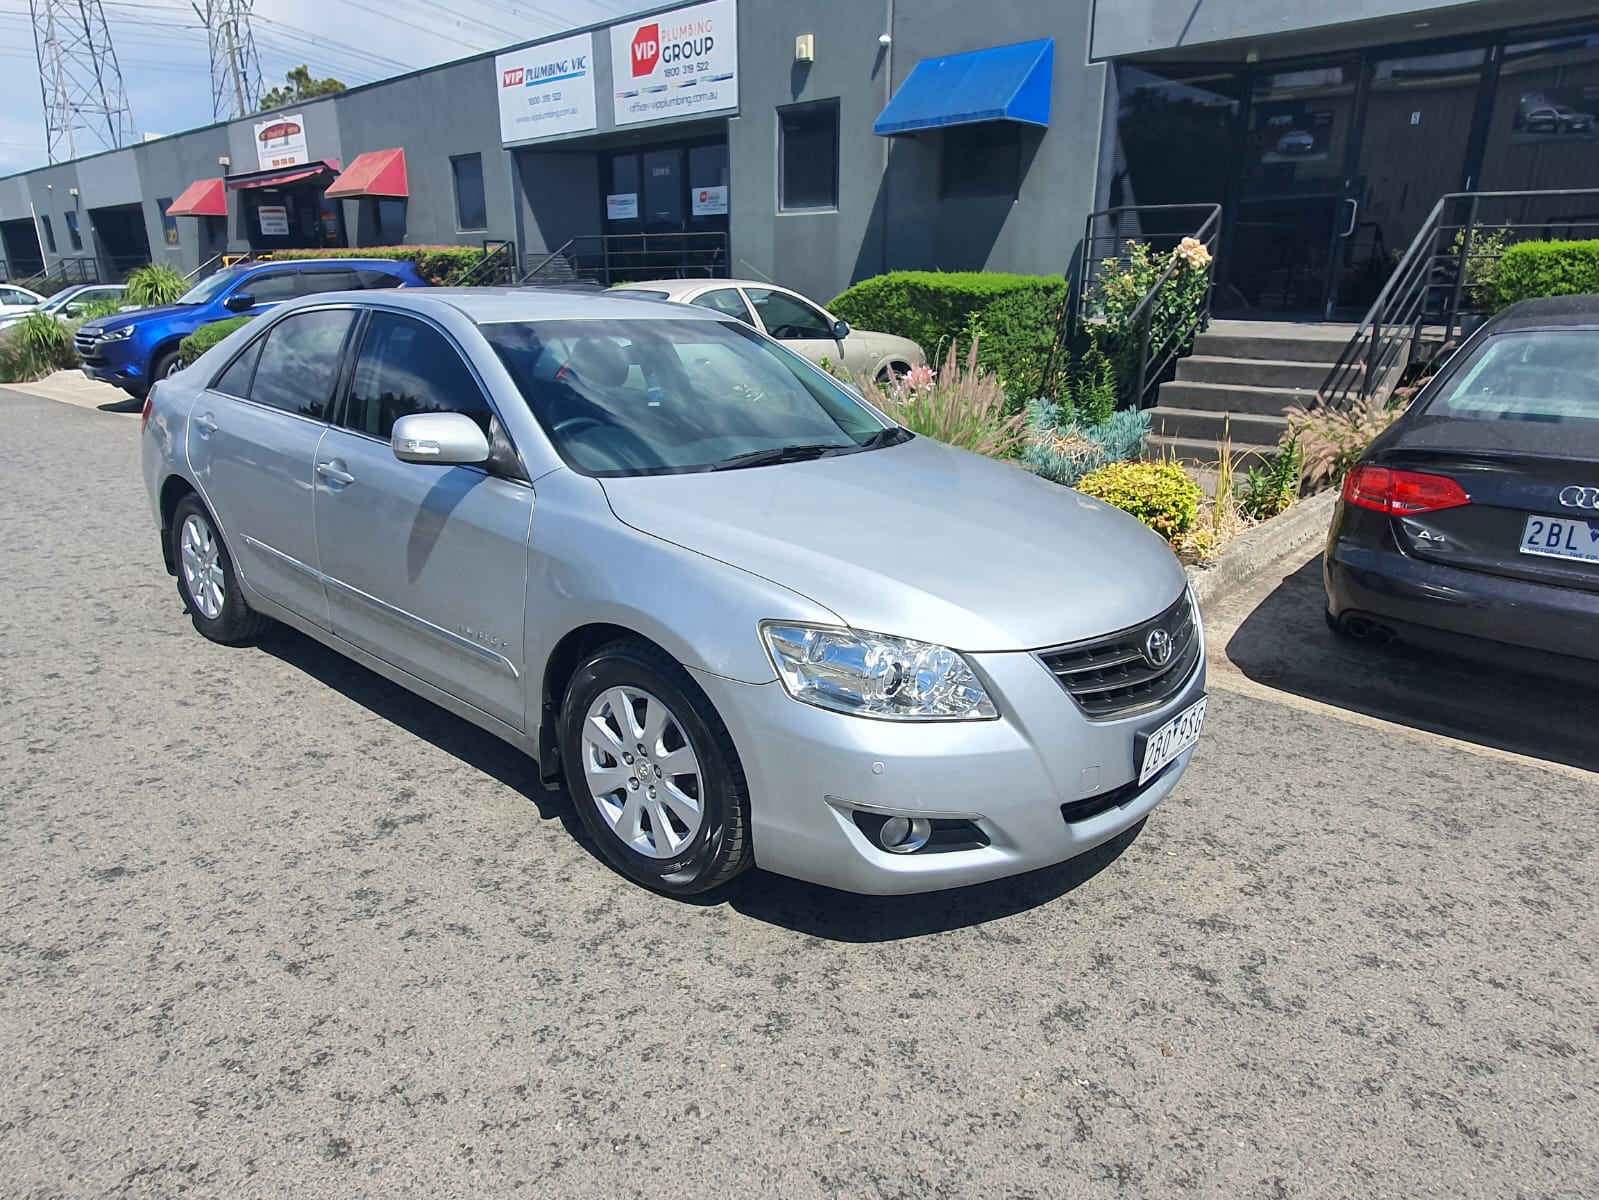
{"type": "Point", "coordinates": [1171, 739]}
{"type": "Point", "coordinates": [1561, 537]}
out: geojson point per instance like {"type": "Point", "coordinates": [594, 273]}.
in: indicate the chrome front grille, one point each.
{"type": "Point", "coordinates": [1114, 676]}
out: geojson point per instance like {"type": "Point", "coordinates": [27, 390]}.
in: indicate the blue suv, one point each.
{"type": "Point", "coordinates": [134, 349]}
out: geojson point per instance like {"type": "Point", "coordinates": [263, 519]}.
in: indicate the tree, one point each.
{"type": "Point", "coordinates": [299, 86]}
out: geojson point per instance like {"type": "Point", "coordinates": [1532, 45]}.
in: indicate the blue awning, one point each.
{"type": "Point", "coordinates": [1006, 83]}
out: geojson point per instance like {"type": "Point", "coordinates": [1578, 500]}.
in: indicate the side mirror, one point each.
{"type": "Point", "coordinates": [840, 330]}
{"type": "Point", "coordinates": [239, 302]}
{"type": "Point", "coordinates": [71, 310]}
{"type": "Point", "coordinates": [444, 439]}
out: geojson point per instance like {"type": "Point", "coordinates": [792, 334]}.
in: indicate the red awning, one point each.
{"type": "Point", "coordinates": [375, 173]}
{"type": "Point", "coordinates": [202, 198]}
{"type": "Point", "coordinates": [282, 175]}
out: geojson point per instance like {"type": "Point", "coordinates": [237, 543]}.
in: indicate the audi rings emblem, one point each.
{"type": "Point", "coordinates": [1580, 497]}
{"type": "Point", "coordinates": [1157, 648]}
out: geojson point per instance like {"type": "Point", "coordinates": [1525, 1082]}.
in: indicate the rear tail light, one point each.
{"type": "Point", "coordinates": [1402, 493]}
{"type": "Point", "coordinates": [144, 413]}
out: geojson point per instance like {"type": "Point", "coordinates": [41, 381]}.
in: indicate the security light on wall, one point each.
{"type": "Point", "coordinates": [224, 161]}
{"type": "Point", "coordinates": [886, 40]}
{"type": "Point", "coordinates": [73, 192]}
{"type": "Point", "coordinates": [805, 48]}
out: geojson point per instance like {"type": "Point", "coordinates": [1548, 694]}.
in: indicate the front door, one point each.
{"type": "Point", "coordinates": [1419, 116]}
{"type": "Point", "coordinates": [426, 566]}
{"type": "Point", "coordinates": [1293, 206]}
{"type": "Point", "coordinates": [253, 440]}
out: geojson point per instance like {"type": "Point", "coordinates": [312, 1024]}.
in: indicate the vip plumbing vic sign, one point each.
{"type": "Point", "coordinates": [547, 89]}
{"type": "Point", "coordinates": [676, 64]}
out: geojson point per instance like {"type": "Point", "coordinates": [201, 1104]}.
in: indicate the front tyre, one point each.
{"type": "Point", "coordinates": [206, 580]}
{"type": "Point", "coordinates": [653, 772]}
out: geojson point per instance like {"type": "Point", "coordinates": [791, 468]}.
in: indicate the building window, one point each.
{"type": "Point", "coordinates": [169, 224]}
{"type": "Point", "coordinates": [982, 160]}
{"type": "Point", "coordinates": [390, 220]}
{"type": "Point", "coordinates": [471, 206]}
{"type": "Point", "coordinates": [72, 231]}
{"type": "Point", "coordinates": [49, 234]}
{"type": "Point", "coordinates": [808, 161]}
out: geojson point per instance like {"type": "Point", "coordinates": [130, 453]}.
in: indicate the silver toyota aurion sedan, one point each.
{"type": "Point", "coordinates": [740, 614]}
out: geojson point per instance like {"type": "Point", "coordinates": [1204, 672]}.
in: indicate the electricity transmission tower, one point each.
{"type": "Point", "coordinates": [79, 78]}
{"type": "Point", "coordinates": [235, 66]}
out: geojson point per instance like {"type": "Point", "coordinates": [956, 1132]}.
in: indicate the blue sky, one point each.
{"type": "Point", "coordinates": [161, 47]}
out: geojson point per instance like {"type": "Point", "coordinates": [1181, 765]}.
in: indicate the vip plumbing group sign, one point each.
{"type": "Point", "coordinates": [547, 89]}
{"type": "Point", "coordinates": [676, 64]}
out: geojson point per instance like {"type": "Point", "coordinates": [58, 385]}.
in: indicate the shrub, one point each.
{"type": "Point", "coordinates": [95, 309]}
{"type": "Point", "coordinates": [203, 338]}
{"type": "Point", "coordinates": [1063, 450]}
{"type": "Point", "coordinates": [1159, 494]}
{"type": "Point", "coordinates": [34, 347]}
{"type": "Point", "coordinates": [959, 403]}
{"type": "Point", "coordinates": [1531, 269]}
{"type": "Point", "coordinates": [1332, 439]}
{"type": "Point", "coordinates": [1117, 290]}
{"type": "Point", "coordinates": [153, 284]}
{"type": "Point", "coordinates": [1016, 318]}
{"type": "Point", "coordinates": [1481, 265]}
{"type": "Point", "coordinates": [442, 266]}
{"type": "Point", "coordinates": [1271, 489]}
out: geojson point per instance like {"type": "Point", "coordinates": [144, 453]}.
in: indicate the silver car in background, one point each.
{"type": "Point", "coordinates": [737, 612]}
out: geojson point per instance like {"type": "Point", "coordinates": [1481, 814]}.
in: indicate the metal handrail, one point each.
{"type": "Point", "coordinates": [1151, 365]}
{"type": "Point", "coordinates": [86, 268]}
{"type": "Point", "coordinates": [498, 265]}
{"type": "Point", "coordinates": [1389, 337]}
{"type": "Point", "coordinates": [604, 258]}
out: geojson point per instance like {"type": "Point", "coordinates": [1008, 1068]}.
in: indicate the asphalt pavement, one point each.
{"type": "Point", "coordinates": [272, 927]}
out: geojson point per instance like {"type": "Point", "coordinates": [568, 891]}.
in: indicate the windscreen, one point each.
{"type": "Point", "coordinates": [636, 397]}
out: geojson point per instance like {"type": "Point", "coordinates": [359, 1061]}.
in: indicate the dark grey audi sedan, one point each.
{"type": "Point", "coordinates": [1473, 521]}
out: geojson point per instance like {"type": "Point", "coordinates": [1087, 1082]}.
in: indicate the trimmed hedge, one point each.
{"type": "Point", "coordinates": [203, 338]}
{"type": "Point", "coordinates": [442, 266]}
{"type": "Point", "coordinates": [1531, 269]}
{"type": "Point", "coordinates": [1017, 319]}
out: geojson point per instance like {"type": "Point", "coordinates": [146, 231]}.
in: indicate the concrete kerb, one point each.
{"type": "Point", "coordinates": [1251, 553]}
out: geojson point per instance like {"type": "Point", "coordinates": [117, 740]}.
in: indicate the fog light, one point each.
{"type": "Point", "coordinates": [904, 835]}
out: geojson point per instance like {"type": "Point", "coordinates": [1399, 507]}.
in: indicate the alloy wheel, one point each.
{"type": "Point", "coordinates": [642, 773]}
{"type": "Point", "coordinates": [202, 566]}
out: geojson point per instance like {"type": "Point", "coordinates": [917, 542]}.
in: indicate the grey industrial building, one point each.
{"type": "Point", "coordinates": [816, 142]}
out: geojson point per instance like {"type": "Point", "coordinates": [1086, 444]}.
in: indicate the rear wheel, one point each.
{"type": "Point", "coordinates": [206, 581]}
{"type": "Point", "coordinates": [653, 772]}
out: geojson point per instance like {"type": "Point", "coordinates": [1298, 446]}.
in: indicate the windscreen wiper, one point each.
{"type": "Point", "coordinates": [779, 454]}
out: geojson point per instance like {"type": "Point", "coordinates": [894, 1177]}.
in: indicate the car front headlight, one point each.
{"type": "Point", "coordinates": [875, 675]}
{"type": "Point", "coordinates": [117, 335]}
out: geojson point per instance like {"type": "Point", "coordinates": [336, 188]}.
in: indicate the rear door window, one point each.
{"type": "Point", "coordinates": [300, 361]}
{"type": "Point", "coordinates": [235, 381]}
{"type": "Point", "coordinates": [272, 289]}
{"type": "Point", "coordinates": [378, 279]}
{"type": "Point", "coordinates": [315, 282]}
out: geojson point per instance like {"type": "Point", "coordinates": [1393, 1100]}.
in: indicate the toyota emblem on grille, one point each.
{"type": "Point", "coordinates": [1157, 648]}
{"type": "Point", "coordinates": [1580, 497]}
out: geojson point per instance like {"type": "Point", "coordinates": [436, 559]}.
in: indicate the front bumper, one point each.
{"type": "Point", "coordinates": [809, 769]}
{"type": "Point", "coordinates": [122, 375]}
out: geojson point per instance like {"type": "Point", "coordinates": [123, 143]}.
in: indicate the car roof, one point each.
{"type": "Point", "coordinates": [312, 264]}
{"type": "Point", "coordinates": [490, 306]}
{"type": "Point", "coordinates": [1552, 312]}
{"type": "Point", "coordinates": [678, 287]}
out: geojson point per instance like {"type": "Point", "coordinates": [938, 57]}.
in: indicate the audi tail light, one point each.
{"type": "Point", "coordinates": [1402, 493]}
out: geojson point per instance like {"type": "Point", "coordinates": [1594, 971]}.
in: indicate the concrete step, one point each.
{"type": "Point", "coordinates": [1227, 397]}
{"type": "Point", "coordinates": [1201, 425]}
{"type": "Point", "coordinates": [1195, 450]}
{"type": "Point", "coordinates": [1251, 372]}
{"type": "Point", "coordinates": [1280, 342]}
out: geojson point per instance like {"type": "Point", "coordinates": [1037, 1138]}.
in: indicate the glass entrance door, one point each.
{"type": "Point", "coordinates": [1292, 205]}
{"type": "Point", "coordinates": [1419, 115]}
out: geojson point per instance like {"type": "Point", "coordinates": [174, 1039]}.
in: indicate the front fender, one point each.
{"type": "Point", "coordinates": [586, 567]}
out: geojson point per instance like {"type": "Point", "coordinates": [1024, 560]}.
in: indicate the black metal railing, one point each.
{"type": "Point", "coordinates": [1163, 324]}
{"type": "Point", "coordinates": [63, 273]}
{"type": "Point", "coordinates": [1444, 283]}
{"type": "Point", "coordinates": [498, 265]}
{"type": "Point", "coordinates": [607, 259]}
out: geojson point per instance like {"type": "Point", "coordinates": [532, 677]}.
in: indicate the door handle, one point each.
{"type": "Point", "coordinates": [334, 473]}
{"type": "Point", "coordinates": [205, 424]}
{"type": "Point", "coordinates": [1354, 214]}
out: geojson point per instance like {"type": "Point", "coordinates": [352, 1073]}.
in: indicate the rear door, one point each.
{"type": "Point", "coordinates": [426, 566]}
{"type": "Point", "coordinates": [253, 437]}
{"type": "Point", "coordinates": [1517, 426]}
